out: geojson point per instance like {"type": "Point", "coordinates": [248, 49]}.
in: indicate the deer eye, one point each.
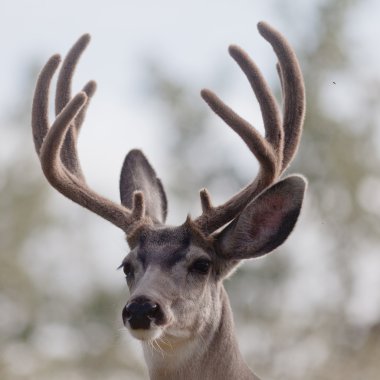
{"type": "Point", "coordinates": [201, 266]}
{"type": "Point", "coordinates": [127, 269]}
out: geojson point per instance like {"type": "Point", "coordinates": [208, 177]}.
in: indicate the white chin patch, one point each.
{"type": "Point", "coordinates": [180, 333]}
{"type": "Point", "coordinates": [146, 334]}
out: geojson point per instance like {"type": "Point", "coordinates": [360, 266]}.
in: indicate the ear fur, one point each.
{"type": "Point", "coordinates": [138, 174]}
{"type": "Point", "coordinates": [265, 223]}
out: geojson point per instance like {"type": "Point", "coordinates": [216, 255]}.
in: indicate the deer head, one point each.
{"type": "Point", "coordinates": [175, 273]}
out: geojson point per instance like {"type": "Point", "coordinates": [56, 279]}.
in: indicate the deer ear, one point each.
{"type": "Point", "coordinates": [138, 174]}
{"type": "Point", "coordinates": [265, 223]}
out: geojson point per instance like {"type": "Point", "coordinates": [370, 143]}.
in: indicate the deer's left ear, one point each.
{"type": "Point", "coordinates": [138, 175]}
{"type": "Point", "coordinates": [265, 223]}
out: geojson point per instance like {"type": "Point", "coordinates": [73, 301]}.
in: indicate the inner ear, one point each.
{"type": "Point", "coordinates": [265, 223]}
{"type": "Point", "coordinates": [138, 174]}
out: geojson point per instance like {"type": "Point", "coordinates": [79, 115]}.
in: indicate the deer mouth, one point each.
{"type": "Point", "coordinates": [152, 333]}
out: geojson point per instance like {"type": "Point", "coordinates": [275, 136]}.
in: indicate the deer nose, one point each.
{"type": "Point", "coordinates": [140, 312]}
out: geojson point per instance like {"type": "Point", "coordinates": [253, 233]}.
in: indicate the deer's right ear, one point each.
{"type": "Point", "coordinates": [138, 174]}
{"type": "Point", "coordinates": [265, 223]}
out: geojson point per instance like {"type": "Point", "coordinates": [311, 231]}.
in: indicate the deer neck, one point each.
{"type": "Point", "coordinates": [212, 353]}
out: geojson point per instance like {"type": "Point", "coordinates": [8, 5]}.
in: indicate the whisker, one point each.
{"type": "Point", "coordinates": [167, 343]}
{"type": "Point", "coordinates": [156, 347]}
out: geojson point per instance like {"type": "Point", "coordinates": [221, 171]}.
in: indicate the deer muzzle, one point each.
{"type": "Point", "coordinates": [141, 313]}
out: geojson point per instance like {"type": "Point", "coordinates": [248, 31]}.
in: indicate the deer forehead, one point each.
{"type": "Point", "coordinates": [166, 246]}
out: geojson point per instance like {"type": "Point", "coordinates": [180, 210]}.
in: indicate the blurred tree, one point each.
{"type": "Point", "coordinates": [339, 157]}
{"type": "Point", "coordinates": [23, 212]}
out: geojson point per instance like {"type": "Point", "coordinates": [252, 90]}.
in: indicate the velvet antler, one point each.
{"type": "Point", "coordinates": [56, 145]}
{"type": "Point", "coordinates": [282, 135]}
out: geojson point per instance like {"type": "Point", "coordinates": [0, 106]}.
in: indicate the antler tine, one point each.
{"type": "Point", "coordinates": [278, 68]}
{"type": "Point", "coordinates": [64, 81]}
{"type": "Point", "coordinates": [293, 90]}
{"type": "Point", "coordinates": [276, 150]}
{"type": "Point", "coordinates": [69, 153]}
{"type": "Point", "coordinates": [255, 142]}
{"type": "Point", "coordinates": [40, 120]}
{"type": "Point", "coordinates": [50, 142]}
{"type": "Point", "coordinates": [274, 133]}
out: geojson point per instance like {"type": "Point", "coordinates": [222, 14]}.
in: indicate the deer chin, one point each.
{"type": "Point", "coordinates": [178, 333]}
{"type": "Point", "coordinates": [144, 335]}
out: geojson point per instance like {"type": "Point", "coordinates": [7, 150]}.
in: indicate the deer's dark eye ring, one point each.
{"type": "Point", "coordinates": [201, 266]}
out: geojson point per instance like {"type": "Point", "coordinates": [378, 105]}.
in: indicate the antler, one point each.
{"type": "Point", "coordinates": [282, 136]}
{"type": "Point", "coordinates": [56, 146]}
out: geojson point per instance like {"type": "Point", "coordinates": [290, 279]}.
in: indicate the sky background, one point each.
{"type": "Point", "coordinates": [188, 39]}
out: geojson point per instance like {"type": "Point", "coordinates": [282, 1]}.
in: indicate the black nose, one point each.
{"type": "Point", "coordinates": [140, 312]}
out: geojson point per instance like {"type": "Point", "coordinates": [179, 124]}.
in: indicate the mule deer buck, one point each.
{"type": "Point", "coordinates": [175, 273]}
